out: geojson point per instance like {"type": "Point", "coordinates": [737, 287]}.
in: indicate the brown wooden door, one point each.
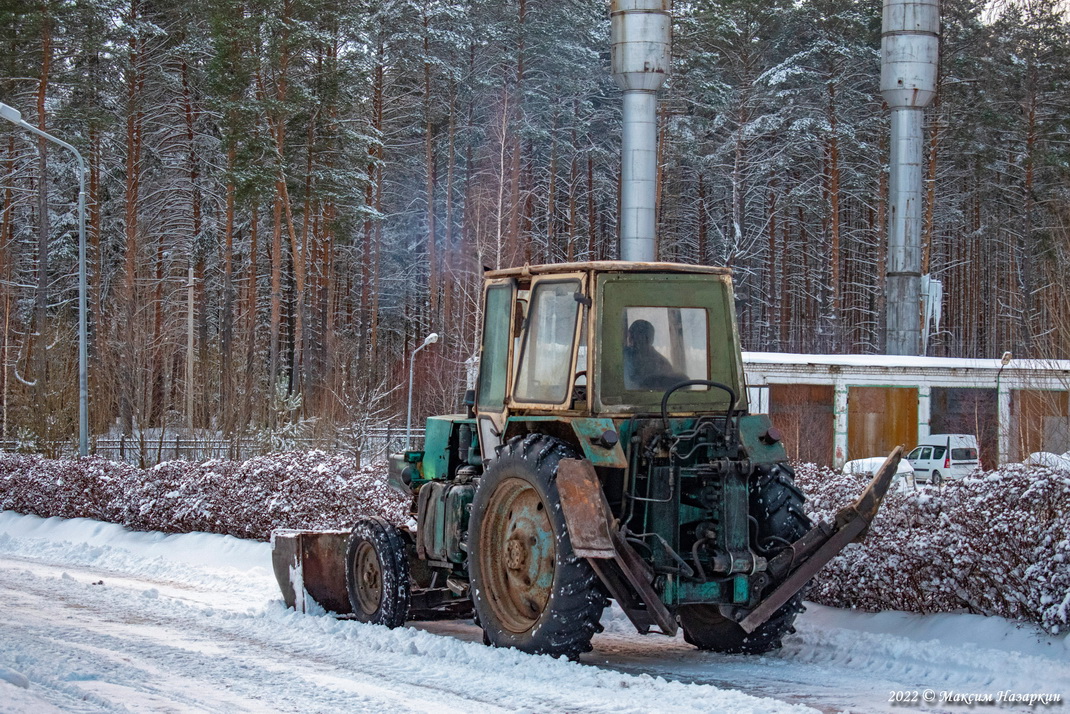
{"type": "Point", "coordinates": [1039, 422]}
{"type": "Point", "coordinates": [803, 412]}
{"type": "Point", "coordinates": [960, 410]}
{"type": "Point", "coordinates": [879, 419]}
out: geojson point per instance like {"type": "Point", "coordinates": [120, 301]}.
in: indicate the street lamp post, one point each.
{"type": "Point", "coordinates": [429, 340]}
{"type": "Point", "coordinates": [15, 117]}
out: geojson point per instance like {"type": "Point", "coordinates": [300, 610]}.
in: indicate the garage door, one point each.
{"type": "Point", "coordinates": [879, 419]}
{"type": "Point", "coordinates": [803, 412]}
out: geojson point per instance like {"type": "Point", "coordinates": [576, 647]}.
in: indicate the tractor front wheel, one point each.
{"type": "Point", "coordinates": [530, 591]}
{"type": "Point", "coordinates": [777, 507]}
{"type": "Point", "coordinates": [377, 573]}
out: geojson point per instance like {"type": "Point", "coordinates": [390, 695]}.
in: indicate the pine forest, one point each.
{"type": "Point", "coordinates": [285, 197]}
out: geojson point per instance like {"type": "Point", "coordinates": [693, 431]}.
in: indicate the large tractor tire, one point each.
{"type": "Point", "coordinates": [530, 591]}
{"type": "Point", "coordinates": [377, 573]}
{"type": "Point", "coordinates": [777, 506]}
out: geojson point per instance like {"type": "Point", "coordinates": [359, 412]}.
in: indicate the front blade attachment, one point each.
{"type": "Point", "coordinates": [822, 543]}
{"type": "Point", "coordinates": [310, 568]}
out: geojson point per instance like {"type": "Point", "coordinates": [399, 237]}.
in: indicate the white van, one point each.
{"type": "Point", "coordinates": [944, 456]}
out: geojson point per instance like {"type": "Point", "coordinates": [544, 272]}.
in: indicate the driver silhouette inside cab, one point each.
{"type": "Point", "coordinates": [644, 367]}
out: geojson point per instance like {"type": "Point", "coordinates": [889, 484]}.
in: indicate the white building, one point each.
{"type": "Point", "coordinates": [833, 408]}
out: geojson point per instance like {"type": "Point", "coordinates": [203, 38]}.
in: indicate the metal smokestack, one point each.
{"type": "Point", "coordinates": [641, 38]}
{"type": "Point", "coordinates": [909, 55]}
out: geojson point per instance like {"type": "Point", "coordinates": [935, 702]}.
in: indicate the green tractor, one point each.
{"type": "Point", "coordinates": [607, 451]}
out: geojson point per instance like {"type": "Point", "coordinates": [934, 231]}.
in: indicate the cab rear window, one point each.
{"type": "Point", "coordinates": [964, 454]}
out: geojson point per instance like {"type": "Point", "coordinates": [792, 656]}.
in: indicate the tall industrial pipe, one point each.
{"type": "Point", "coordinates": [641, 39]}
{"type": "Point", "coordinates": [909, 56]}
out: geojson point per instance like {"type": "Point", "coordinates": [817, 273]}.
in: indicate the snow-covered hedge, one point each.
{"type": "Point", "coordinates": [245, 499]}
{"type": "Point", "coordinates": [998, 544]}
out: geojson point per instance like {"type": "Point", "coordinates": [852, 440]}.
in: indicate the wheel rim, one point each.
{"type": "Point", "coordinates": [516, 555]}
{"type": "Point", "coordinates": [369, 578]}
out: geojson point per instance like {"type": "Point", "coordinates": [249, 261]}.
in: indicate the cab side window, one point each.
{"type": "Point", "coordinates": [492, 368]}
{"type": "Point", "coordinates": [546, 360]}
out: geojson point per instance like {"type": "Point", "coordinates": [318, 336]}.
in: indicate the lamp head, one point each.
{"type": "Point", "coordinates": [10, 113]}
{"type": "Point", "coordinates": [1006, 358]}
{"type": "Point", "coordinates": [430, 339]}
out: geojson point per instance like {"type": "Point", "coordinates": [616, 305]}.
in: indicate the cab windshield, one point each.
{"type": "Point", "coordinates": [664, 346]}
{"type": "Point", "coordinates": [657, 331]}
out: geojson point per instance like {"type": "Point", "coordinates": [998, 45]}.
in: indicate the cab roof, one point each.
{"type": "Point", "coordinates": [606, 266]}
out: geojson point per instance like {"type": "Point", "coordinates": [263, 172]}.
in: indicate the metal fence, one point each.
{"type": "Point", "coordinates": [149, 449]}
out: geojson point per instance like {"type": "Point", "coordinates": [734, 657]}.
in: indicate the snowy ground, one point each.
{"type": "Point", "coordinates": [97, 618]}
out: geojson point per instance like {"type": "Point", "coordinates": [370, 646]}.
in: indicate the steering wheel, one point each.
{"type": "Point", "coordinates": [691, 382]}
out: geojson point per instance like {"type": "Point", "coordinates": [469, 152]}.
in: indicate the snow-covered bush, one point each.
{"type": "Point", "coordinates": [997, 544]}
{"type": "Point", "coordinates": [245, 499]}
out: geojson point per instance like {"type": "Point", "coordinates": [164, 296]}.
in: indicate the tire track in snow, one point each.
{"type": "Point", "coordinates": [118, 647]}
{"type": "Point", "coordinates": [838, 660]}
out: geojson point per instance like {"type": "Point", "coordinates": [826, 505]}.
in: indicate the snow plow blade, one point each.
{"type": "Point", "coordinates": [822, 543]}
{"type": "Point", "coordinates": [310, 568]}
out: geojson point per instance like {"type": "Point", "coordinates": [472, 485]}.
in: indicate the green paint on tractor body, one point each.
{"type": "Point", "coordinates": [601, 347]}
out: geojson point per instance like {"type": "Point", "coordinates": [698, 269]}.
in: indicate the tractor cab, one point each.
{"type": "Point", "coordinates": [605, 340]}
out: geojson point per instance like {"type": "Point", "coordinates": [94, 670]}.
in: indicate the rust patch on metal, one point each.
{"type": "Point", "coordinates": [323, 557]}
{"type": "Point", "coordinates": [584, 506]}
{"type": "Point", "coordinates": [609, 266]}
{"type": "Point", "coordinates": [311, 562]}
{"type": "Point", "coordinates": [867, 505]}
{"type": "Point", "coordinates": [594, 537]}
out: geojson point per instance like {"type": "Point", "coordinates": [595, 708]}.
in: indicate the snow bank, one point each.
{"type": "Point", "coordinates": [153, 636]}
{"type": "Point", "coordinates": [244, 499]}
{"type": "Point", "coordinates": [997, 543]}
{"type": "Point", "coordinates": [85, 542]}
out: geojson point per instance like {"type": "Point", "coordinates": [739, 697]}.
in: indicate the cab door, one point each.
{"type": "Point", "coordinates": [495, 364]}
{"type": "Point", "coordinates": [546, 366]}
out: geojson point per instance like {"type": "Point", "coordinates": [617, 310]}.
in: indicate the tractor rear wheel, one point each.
{"type": "Point", "coordinates": [377, 573]}
{"type": "Point", "coordinates": [777, 506]}
{"type": "Point", "coordinates": [530, 591]}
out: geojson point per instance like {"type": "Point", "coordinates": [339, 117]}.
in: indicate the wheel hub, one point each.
{"type": "Point", "coordinates": [514, 555]}
{"type": "Point", "coordinates": [518, 552]}
{"type": "Point", "coordinates": [369, 578]}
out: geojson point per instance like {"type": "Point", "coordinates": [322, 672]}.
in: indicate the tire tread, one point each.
{"type": "Point", "coordinates": [577, 601]}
